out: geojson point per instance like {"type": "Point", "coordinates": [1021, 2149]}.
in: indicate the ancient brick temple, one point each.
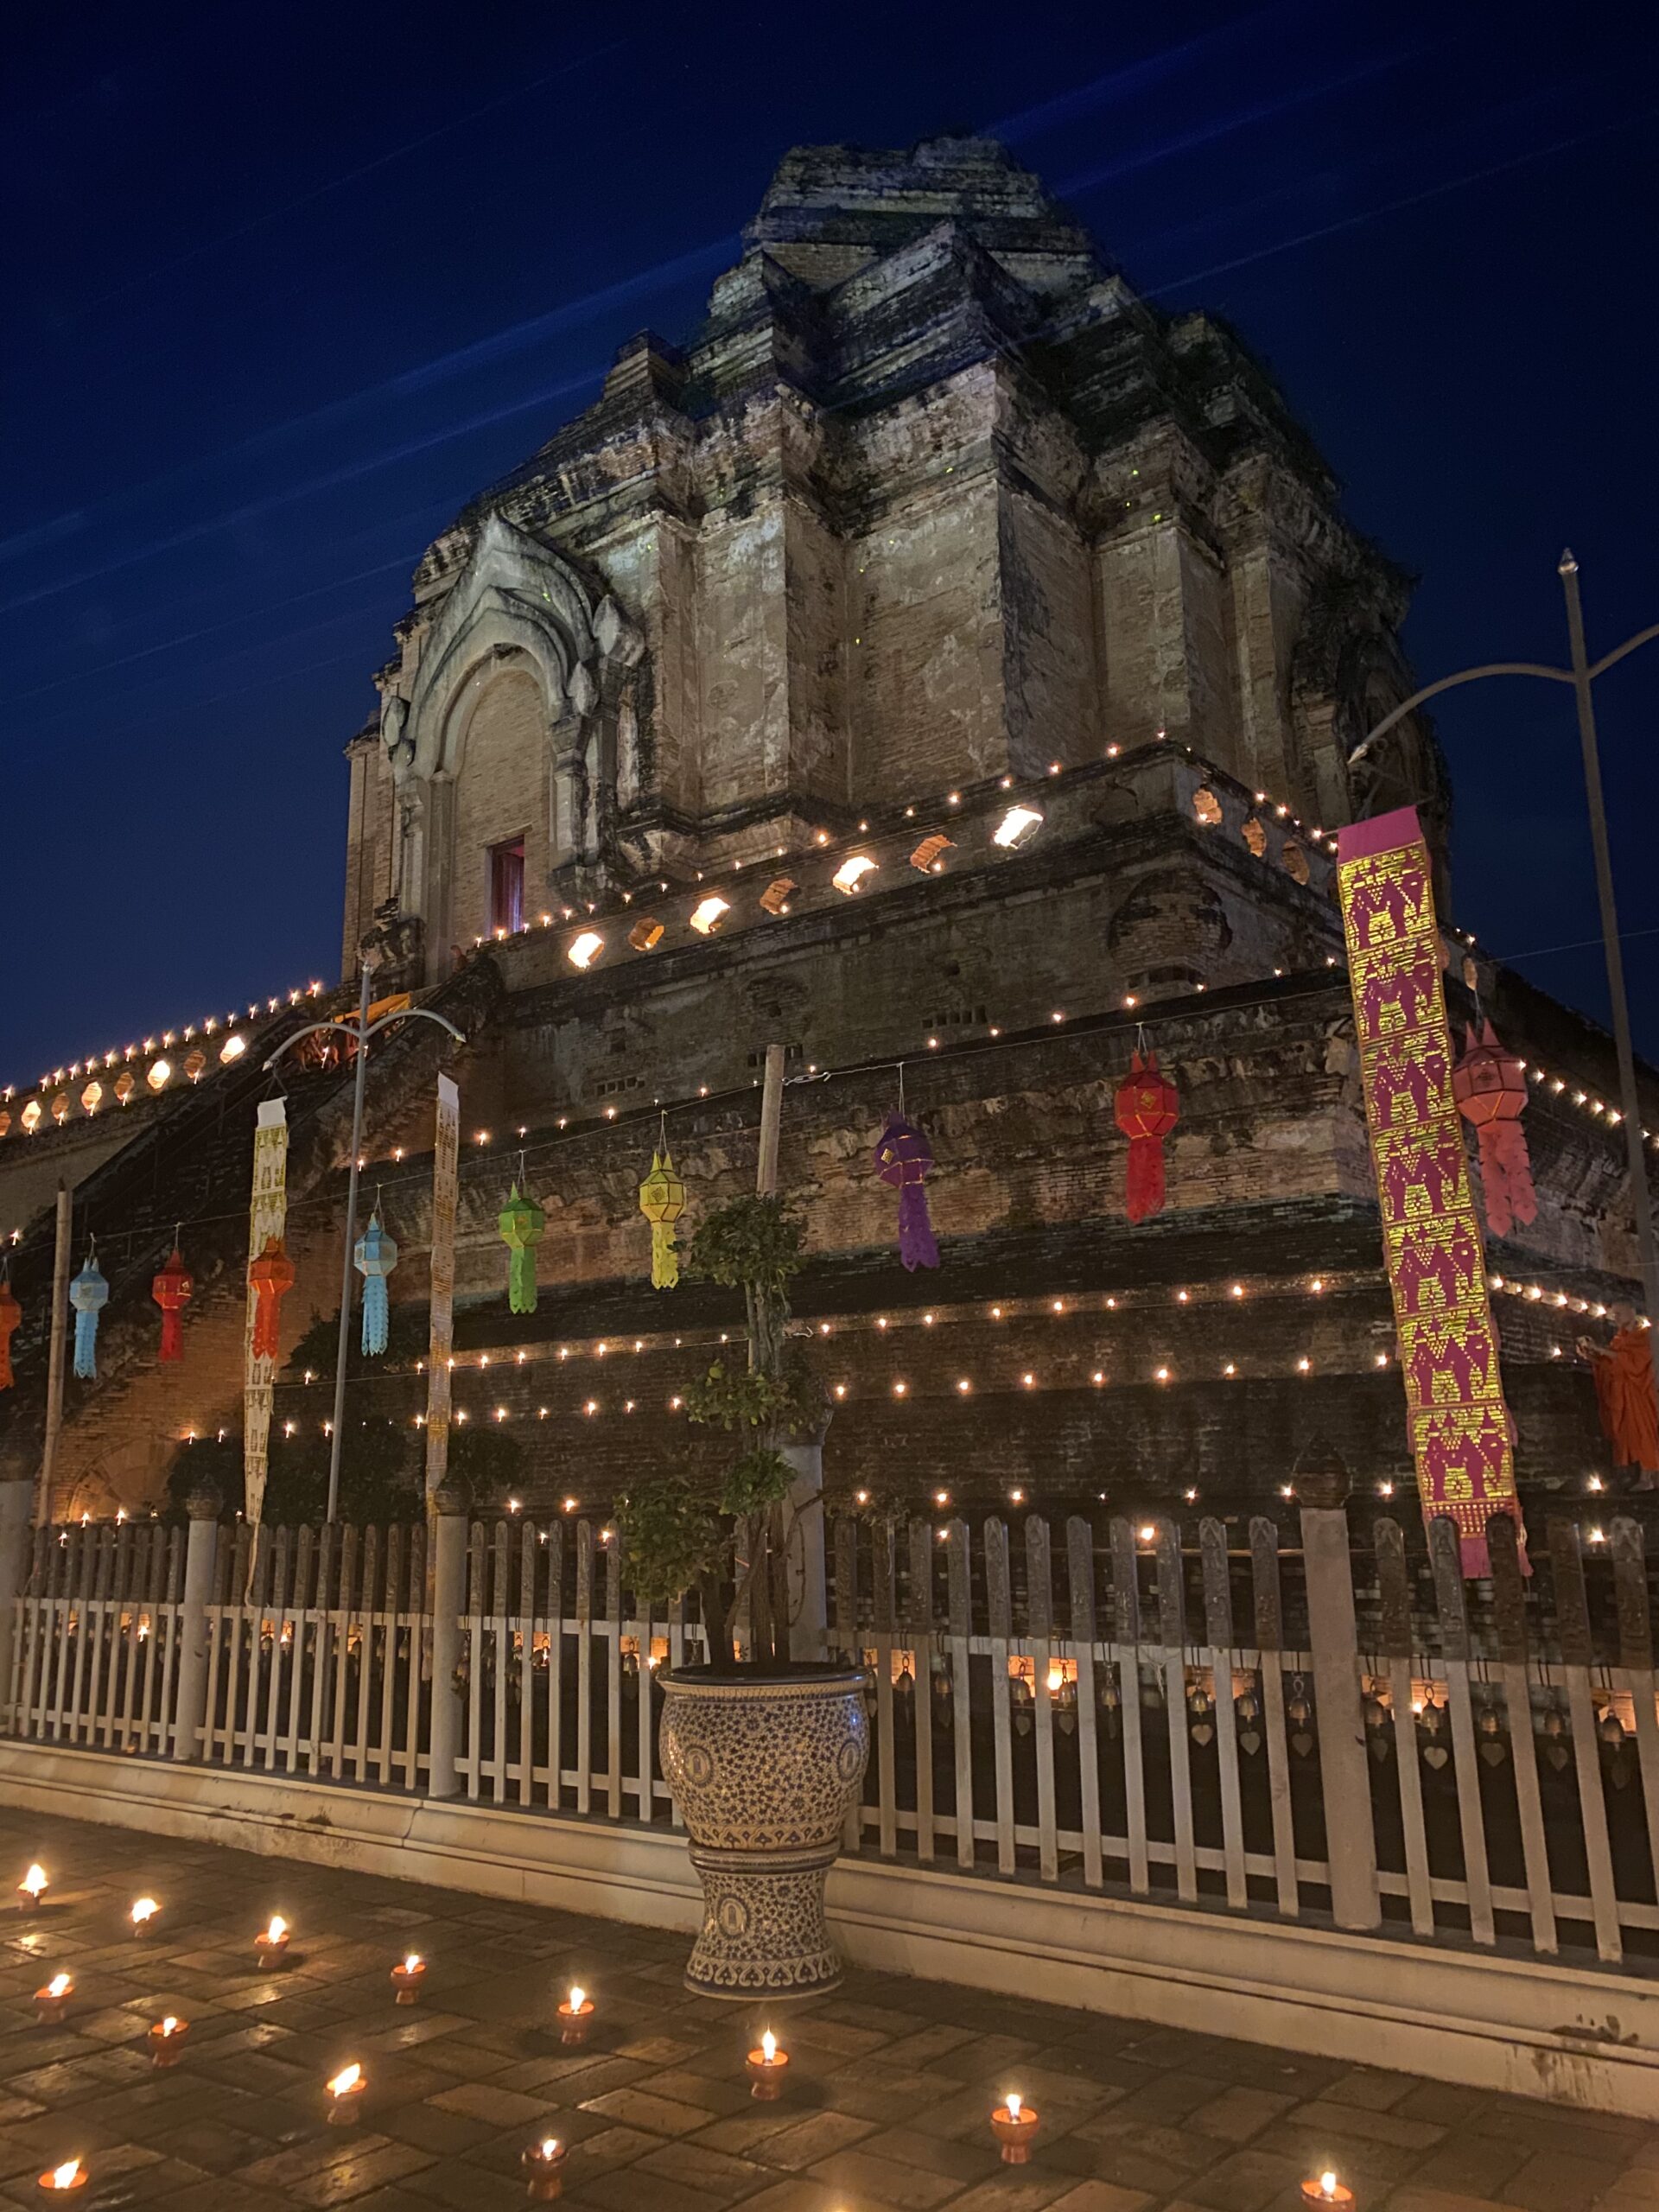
{"type": "Point", "coordinates": [946, 667]}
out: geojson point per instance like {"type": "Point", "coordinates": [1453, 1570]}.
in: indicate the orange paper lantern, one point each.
{"type": "Point", "coordinates": [1147, 1108]}
{"type": "Point", "coordinates": [271, 1277]}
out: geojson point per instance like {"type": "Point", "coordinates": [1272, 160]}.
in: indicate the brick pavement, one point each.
{"type": "Point", "coordinates": [890, 2080]}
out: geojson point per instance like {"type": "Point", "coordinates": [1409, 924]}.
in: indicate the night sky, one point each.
{"type": "Point", "coordinates": [286, 287]}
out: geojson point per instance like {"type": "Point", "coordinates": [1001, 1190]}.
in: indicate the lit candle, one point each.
{"type": "Point", "coordinates": [32, 1888]}
{"type": "Point", "coordinates": [576, 2016]}
{"type": "Point", "coordinates": [542, 2164]}
{"type": "Point", "coordinates": [406, 1977]}
{"type": "Point", "coordinates": [346, 2093]}
{"type": "Point", "coordinates": [167, 2040]}
{"type": "Point", "coordinates": [71, 2175]}
{"type": "Point", "coordinates": [1014, 2124]}
{"type": "Point", "coordinates": [52, 2002]}
{"type": "Point", "coordinates": [271, 1942]}
{"type": "Point", "coordinates": [765, 2068]}
{"type": "Point", "coordinates": [144, 1911]}
{"type": "Point", "coordinates": [1326, 2188]}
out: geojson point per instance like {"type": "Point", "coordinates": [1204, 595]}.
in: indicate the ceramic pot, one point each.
{"type": "Point", "coordinates": [765, 1769]}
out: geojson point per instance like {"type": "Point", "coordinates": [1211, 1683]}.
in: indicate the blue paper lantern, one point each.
{"type": "Point", "coordinates": [376, 1255]}
{"type": "Point", "coordinates": [88, 1293]}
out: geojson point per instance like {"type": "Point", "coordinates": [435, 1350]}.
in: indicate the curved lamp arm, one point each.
{"type": "Point", "coordinates": [362, 1036]}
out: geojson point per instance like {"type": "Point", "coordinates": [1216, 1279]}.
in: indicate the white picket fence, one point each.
{"type": "Point", "coordinates": [1169, 1720]}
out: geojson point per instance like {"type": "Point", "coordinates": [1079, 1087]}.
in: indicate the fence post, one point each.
{"type": "Point", "coordinates": [449, 1601]}
{"type": "Point", "coordinates": [15, 1499]}
{"type": "Point", "coordinates": [1344, 1775]}
{"type": "Point", "coordinates": [201, 1549]}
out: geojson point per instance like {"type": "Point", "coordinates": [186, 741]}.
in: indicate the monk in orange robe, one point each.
{"type": "Point", "coordinates": [1624, 1389]}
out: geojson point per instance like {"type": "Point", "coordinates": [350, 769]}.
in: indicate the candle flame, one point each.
{"type": "Point", "coordinates": [1014, 2104]}
{"type": "Point", "coordinates": [170, 2025]}
{"type": "Point", "coordinates": [549, 2147]}
{"type": "Point", "coordinates": [277, 1929]}
{"type": "Point", "coordinates": [1328, 2185]}
{"type": "Point", "coordinates": [346, 2081]}
{"type": "Point", "coordinates": [1056, 1677]}
{"type": "Point", "coordinates": [35, 1881]}
{"type": "Point", "coordinates": [578, 1997]}
{"type": "Point", "coordinates": [60, 1986]}
{"type": "Point", "coordinates": [66, 2176]}
{"type": "Point", "coordinates": [145, 1909]}
{"type": "Point", "coordinates": [769, 2046]}
{"type": "Point", "coordinates": [412, 1962]}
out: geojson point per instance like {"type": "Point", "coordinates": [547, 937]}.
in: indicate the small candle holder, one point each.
{"type": "Point", "coordinates": [272, 1945]}
{"type": "Point", "coordinates": [71, 2175]}
{"type": "Point", "coordinates": [1014, 2124]}
{"type": "Point", "coordinates": [1326, 2188]}
{"type": "Point", "coordinates": [32, 1888]}
{"type": "Point", "coordinates": [345, 2097]}
{"type": "Point", "coordinates": [406, 1978]}
{"type": "Point", "coordinates": [767, 2066]}
{"type": "Point", "coordinates": [53, 2002]}
{"type": "Point", "coordinates": [543, 2165]}
{"type": "Point", "coordinates": [576, 2017]}
{"type": "Point", "coordinates": [167, 2041]}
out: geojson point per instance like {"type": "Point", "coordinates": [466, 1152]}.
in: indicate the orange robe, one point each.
{"type": "Point", "coordinates": [1629, 1408]}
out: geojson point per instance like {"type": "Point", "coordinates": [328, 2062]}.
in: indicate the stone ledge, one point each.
{"type": "Point", "coordinates": [1579, 2037]}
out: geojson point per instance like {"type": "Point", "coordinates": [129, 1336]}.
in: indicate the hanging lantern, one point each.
{"type": "Point", "coordinates": [88, 1293]}
{"type": "Point", "coordinates": [171, 1288]}
{"type": "Point", "coordinates": [662, 1201]}
{"type": "Point", "coordinates": [10, 1314]}
{"type": "Point", "coordinates": [375, 1256]}
{"type": "Point", "coordinates": [521, 1223]}
{"type": "Point", "coordinates": [1147, 1109]}
{"type": "Point", "coordinates": [1490, 1089]}
{"type": "Point", "coordinates": [271, 1277]}
{"type": "Point", "coordinates": [903, 1156]}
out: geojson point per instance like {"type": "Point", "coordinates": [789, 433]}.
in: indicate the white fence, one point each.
{"type": "Point", "coordinates": [1302, 1732]}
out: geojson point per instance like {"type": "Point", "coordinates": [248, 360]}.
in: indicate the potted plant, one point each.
{"type": "Point", "coordinates": [765, 1753]}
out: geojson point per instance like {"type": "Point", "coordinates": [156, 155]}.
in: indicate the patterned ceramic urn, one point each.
{"type": "Point", "coordinates": [764, 1772]}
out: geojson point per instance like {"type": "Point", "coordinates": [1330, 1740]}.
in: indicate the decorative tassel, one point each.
{"type": "Point", "coordinates": [662, 1201]}
{"type": "Point", "coordinates": [1147, 1109]}
{"type": "Point", "coordinates": [88, 1293]}
{"type": "Point", "coordinates": [1490, 1088]}
{"type": "Point", "coordinates": [271, 1278]}
{"type": "Point", "coordinates": [903, 1157]}
{"type": "Point", "coordinates": [171, 1290]}
{"type": "Point", "coordinates": [375, 1256]}
{"type": "Point", "coordinates": [522, 1224]}
{"type": "Point", "coordinates": [10, 1314]}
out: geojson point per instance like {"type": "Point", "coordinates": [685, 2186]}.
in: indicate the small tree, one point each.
{"type": "Point", "coordinates": [724, 1534]}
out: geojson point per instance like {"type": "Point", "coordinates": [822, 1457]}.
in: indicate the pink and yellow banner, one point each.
{"type": "Point", "coordinates": [1461, 1434]}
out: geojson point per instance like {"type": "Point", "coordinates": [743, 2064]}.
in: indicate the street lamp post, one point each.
{"type": "Point", "coordinates": [1581, 674]}
{"type": "Point", "coordinates": [361, 1030]}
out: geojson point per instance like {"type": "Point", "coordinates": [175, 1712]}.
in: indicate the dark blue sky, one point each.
{"type": "Point", "coordinates": [283, 289]}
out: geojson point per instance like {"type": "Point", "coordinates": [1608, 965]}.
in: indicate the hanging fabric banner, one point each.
{"type": "Point", "coordinates": [10, 1314]}
{"type": "Point", "coordinates": [1461, 1434]}
{"type": "Point", "coordinates": [445, 1193]}
{"type": "Point", "coordinates": [267, 1220]}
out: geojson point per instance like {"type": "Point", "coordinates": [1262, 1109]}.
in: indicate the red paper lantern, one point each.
{"type": "Point", "coordinates": [171, 1290]}
{"type": "Point", "coordinates": [271, 1277]}
{"type": "Point", "coordinates": [10, 1314]}
{"type": "Point", "coordinates": [1147, 1109]}
{"type": "Point", "coordinates": [1490, 1088]}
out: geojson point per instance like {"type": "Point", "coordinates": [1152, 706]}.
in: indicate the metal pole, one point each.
{"type": "Point", "coordinates": [337, 1433]}
{"type": "Point", "coordinates": [56, 1325]}
{"type": "Point", "coordinates": [1629, 1098]}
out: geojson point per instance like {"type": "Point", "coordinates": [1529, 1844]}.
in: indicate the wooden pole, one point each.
{"type": "Point", "coordinates": [772, 1114]}
{"type": "Point", "coordinates": [56, 1325]}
